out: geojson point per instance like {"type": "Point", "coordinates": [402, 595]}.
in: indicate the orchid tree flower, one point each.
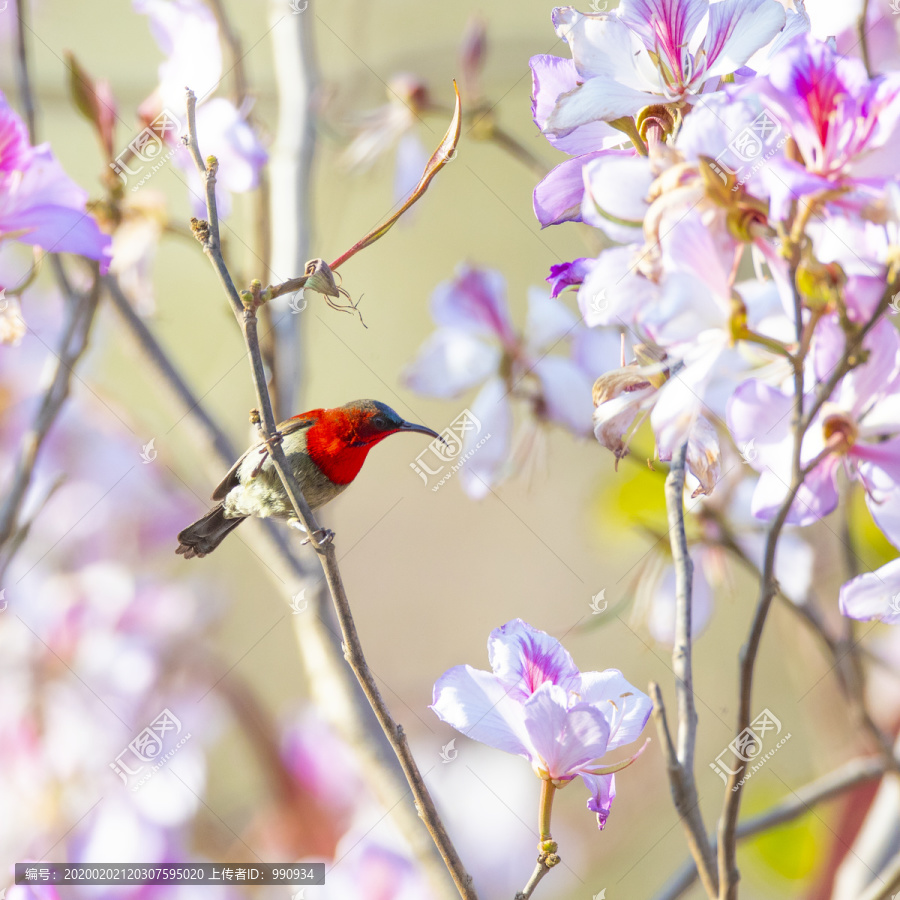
{"type": "Point", "coordinates": [476, 344]}
{"type": "Point", "coordinates": [188, 34]}
{"type": "Point", "coordinates": [648, 52]}
{"type": "Point", "coordinates": [843, 124]}
{"type": "Point", "coordinates": [393, 127]}
{"type": "Point", "coordinates": [876, 595]}
{"type": "Point", "coordinates": [857, 429]}
{"type": "Point", "coordinates": [39, 203]}
{"type": "Point", "coordinates": [536, 704]}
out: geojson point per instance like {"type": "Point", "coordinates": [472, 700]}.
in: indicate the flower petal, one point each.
{"type": "Point", "coordinates": [474, 301]}
{"type": "Point", "coordinates": [566, 390]}
{"type": "Point", "coordinates": [564, 738]}
{"type": "Point", "coordinates": [603, 792]}
{"type": "Point", "coordinates": [626, 708]}
{"type": "Point", "coordinates": [875, 595]}
{"type": "Point", "coordinates": [524, 658]}
{"type": "Point", "coordinates": [616, 188]}
{"type": "Point", "coordinates": [558, 196]}
{"type": "Point", "coordinates": [449, 362]}
{"type": "Point", "coordinates": [486, 466]}
{"type": "Point", "coordinates": [479, 705]}
{"type": "Point", "coordinates": [736, 30]}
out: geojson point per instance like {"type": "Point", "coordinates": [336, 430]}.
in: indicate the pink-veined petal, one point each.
{"type": "Point", "coordinates": [736, 30]}
{"type": "Point", "coordinates": [474, 300]}
{"type": "Point", "coordinates": [524, 658]}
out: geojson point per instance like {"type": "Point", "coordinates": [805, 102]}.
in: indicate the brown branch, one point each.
{"type": "Point", "coordinates": [540, 870]}
{"type": "Point", "coordinates": [72, 345]}
{"type": "Point", "coordinates": [863, 37]}
{"type": "Point", "coordinates": [680, 757]}
{"type": "Point", "coordinates": [333, 687]}
{"type": "Point", "coordinates": [208, 234]}
{"type": "Point", "coordinates": [802, 418]}
{"type": "Point", "coordinates": [845, 778]}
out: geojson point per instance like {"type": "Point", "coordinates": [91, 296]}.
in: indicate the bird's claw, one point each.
{"type": "Point", "coordinates": [320, 538]}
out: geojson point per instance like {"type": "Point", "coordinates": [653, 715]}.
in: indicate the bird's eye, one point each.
{"type": "Point", "coordinates": [379, 422]}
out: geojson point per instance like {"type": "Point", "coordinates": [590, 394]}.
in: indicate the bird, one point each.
{"type": "Point", "coordinates": [325, 449]}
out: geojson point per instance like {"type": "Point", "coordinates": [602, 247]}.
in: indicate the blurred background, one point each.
{"type": "Point", "coordinates": [105, 627]}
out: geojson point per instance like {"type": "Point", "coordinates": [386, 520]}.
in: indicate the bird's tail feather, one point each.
{"type": "Point", "coordinates": [207, 533]}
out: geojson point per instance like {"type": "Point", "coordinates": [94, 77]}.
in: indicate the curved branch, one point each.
{"type": "Point", "coordinates": [208, 235]}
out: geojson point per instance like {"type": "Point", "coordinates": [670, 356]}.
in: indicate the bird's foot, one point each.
{"type": "Point", "coordinates": [320, 538]}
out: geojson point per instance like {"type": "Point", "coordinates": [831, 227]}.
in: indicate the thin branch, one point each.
{"type": "Point", "coordinates": [72, 345]}
{"type": "Point", "coordinates": [26, 95]}
{"type": "Point", "coordinates": [540, 870]}
{"type": "Point", "coordinates": [801, 420]}
{"type": "Point", "coordinates": [333, 687]}
{"type": "Point", "coordinates": [208, 234]}
{"type": "Point", "coordinates": [680, 757]}
{"type": "Point", "coordinates": [801, 801]}
{"type": "Point", "coordinates": [864, 37]}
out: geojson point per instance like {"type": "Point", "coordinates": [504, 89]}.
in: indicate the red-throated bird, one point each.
{"type": "Point", "coordinates": [325, 449]}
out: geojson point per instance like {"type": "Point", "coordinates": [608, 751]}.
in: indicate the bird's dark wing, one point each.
{"type": "Point", "coordinates": [231, 480]}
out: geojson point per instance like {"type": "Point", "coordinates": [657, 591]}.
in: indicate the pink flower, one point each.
{"type": "Point", "coordinates": [655, 51]}
{"type": "Point", "coordinates": [39, 203]}
{"type": "Point", "coordinates": [858, 427]}
{"type": "Point", "coordinates": [476, 344]}
{"type": "Point", "coordinates": [535, 703]}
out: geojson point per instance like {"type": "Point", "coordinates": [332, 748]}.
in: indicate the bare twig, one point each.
{"type": "Point", "coordinates": [334, 689]}
{"type": "Point", "coordinates": [208, 234]}
{"type": "Point", "coordinates": [801, 801]}
{"type": "Point", "coordinates": [23, 78]}
{"type": "Point", "coordinates": [802, 418]}
{"type": "Point", "coordinates": [73, 343]}
{"type": "Point", "coordinates": [864, 37]}
{"type": "Point", "coordinates": [540, 870]}
{"type": "Point", "coordinates": [680, 756]}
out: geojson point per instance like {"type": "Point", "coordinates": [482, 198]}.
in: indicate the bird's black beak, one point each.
{"type": "Point", "coordinates": [421, 429]}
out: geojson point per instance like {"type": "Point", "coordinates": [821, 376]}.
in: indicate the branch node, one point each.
{"type": "Point", "coordinates": [200, 230]}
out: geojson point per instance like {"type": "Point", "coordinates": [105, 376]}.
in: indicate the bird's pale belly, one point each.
{"type": "Point", "coordinates": [264, 495]}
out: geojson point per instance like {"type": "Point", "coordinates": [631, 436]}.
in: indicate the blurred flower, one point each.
{"type": "Point", "coordinates": [538, 705]}
{"type": "Point", "coordinates": [859, 428]}
{"type": "Point", "coordinates": [876, 595]}
{"type": "Point", "coordinates": [188, 34]}
{"type": "Point", "coordinates": [393, 125]}
{"type": "Point", "coordinates": [475, 343]}
{"type": "Point", "coordinates": [39, 203]}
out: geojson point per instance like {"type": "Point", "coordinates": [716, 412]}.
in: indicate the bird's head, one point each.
{"type": "Point", "coordinates": [373, 422]}
{"type": "Point", "coordinates": [341, 438]}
